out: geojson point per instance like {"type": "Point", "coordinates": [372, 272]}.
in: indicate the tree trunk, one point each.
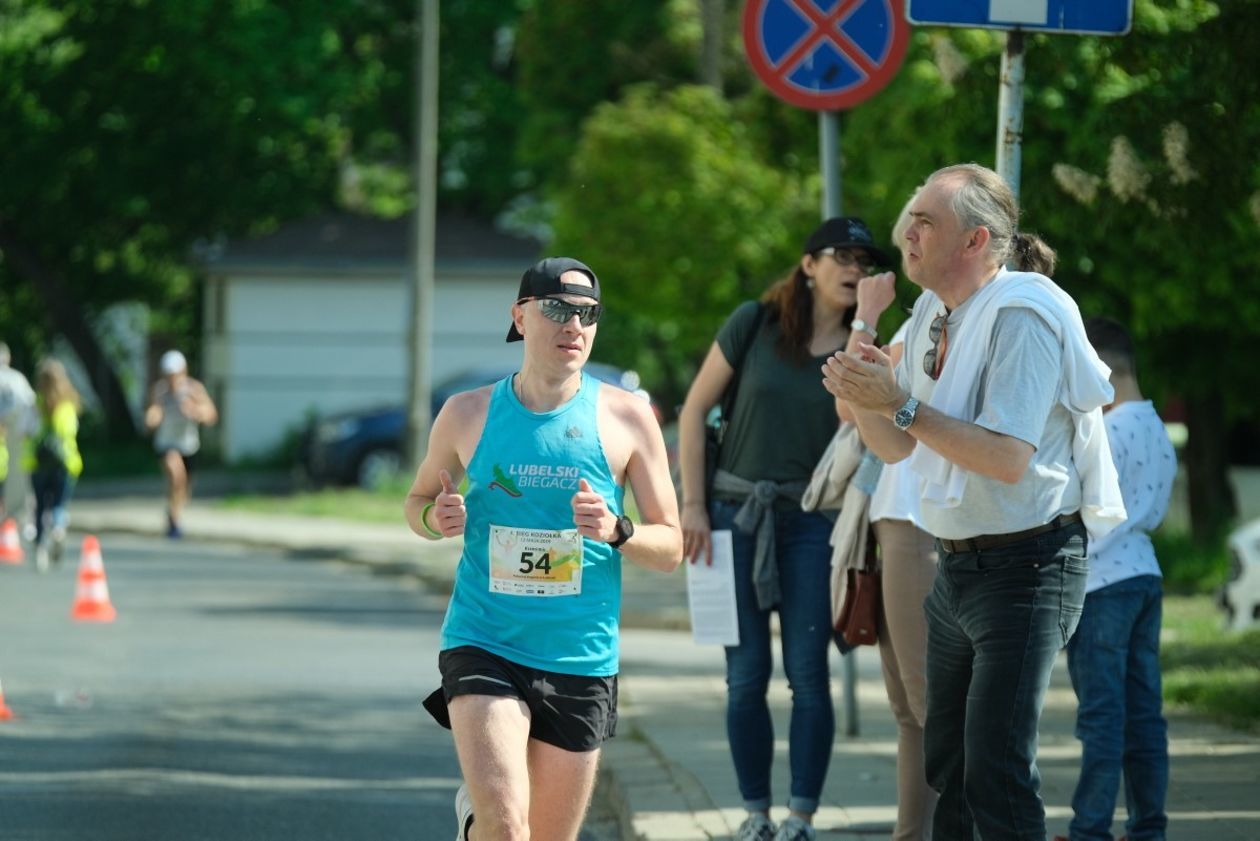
{"type": "Point", "coordinates": [1207, 467]}
{"type": "Point", "coordinates": [66, 317]}
{"type": "Point", "coordinates": [712, 18]}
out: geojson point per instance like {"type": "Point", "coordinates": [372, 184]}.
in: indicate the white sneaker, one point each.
{"type": "Point", "coordinates": [794, 829]}
{"type": "Point", "coordinates": [41, 557]}
{"type": "Point", "coordinates": [463, 812]}
{"type": "Point", "coordinates": [756, 827]}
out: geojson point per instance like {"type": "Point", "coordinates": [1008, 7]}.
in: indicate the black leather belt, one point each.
{"type": "Point", "coordinates": [996, 541]}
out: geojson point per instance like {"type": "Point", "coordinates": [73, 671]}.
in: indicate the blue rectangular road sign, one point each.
{"type": "Point", "coordinates": [1083, 17]}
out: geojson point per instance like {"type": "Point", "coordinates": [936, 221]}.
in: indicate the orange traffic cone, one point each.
{"type": "Point", "coordinates": [10, 546]}
{"type": "Point", "coordinates": [6, 714]}
{"type": "Point", "coordinates": [91, 596]}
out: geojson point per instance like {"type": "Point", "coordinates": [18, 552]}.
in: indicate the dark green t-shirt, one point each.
{"type": "Point", "coordinates": [783, 418]}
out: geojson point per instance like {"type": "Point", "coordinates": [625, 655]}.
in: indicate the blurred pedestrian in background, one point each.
{"type": "Point", "coordinates": [17, 417]}
{"type": "Point", "coordinates": [53, 460]}
{"type": "Point", "coordinates": [1114, 655]}
{"type": "Point", "coordinates": [178, 406]}
{"type": "Point", "coordinates": [781, 423]}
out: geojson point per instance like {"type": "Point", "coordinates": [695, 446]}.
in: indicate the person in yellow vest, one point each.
{"type": "Point", "coordinates": [53, 460]}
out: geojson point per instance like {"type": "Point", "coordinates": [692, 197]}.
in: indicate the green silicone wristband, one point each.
{"type": "Point", "coordinates": [424, 520]}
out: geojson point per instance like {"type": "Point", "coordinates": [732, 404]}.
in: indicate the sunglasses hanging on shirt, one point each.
{"type": "Point", "coordinates": [934, 359]}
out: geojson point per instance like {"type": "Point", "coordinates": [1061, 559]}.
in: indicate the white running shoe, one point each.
{"type": "Point", "coordinates": [41, 557]}
{"type": "Point", "coordinates": [463, 812]}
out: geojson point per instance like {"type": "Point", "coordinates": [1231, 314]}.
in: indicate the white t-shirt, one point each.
{"type": "Point", "coordinates": [1147, 465]}
{"type": "Point", "coordinates": [899, 489]}
{"type": "Point", "coordinates": [1018, 395]}
{"type": "Point", "coordinates": [176, 431]}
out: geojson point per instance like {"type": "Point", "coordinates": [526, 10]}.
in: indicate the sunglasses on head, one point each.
{"type": "Point", "coordinates": [562, 311]}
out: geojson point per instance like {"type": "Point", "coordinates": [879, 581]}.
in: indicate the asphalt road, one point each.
{"type": "Point", "coordinates": [238, 695]}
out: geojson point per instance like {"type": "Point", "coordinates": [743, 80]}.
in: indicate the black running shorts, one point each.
{"type": "Point", "coordinates": [572, 712]}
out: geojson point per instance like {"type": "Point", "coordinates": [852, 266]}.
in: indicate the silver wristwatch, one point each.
{"type": "Point", "coordinates": [860, 326]}
{"type": "Point", "coordinates": [904, 416]}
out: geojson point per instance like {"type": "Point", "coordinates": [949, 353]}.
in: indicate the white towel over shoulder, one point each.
{"type": "Point", "coordinates": [1085, 390]}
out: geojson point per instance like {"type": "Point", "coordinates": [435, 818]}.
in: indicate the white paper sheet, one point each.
{"type": "Point", "coordinates": [711, 595]}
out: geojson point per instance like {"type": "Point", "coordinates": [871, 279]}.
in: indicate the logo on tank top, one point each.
{"type": "Point", "coordinates": [518, 478]}
{"type": "Point", "coordinates": [573, 432]}
{"type": "Point", "coordinates": [503, 483]}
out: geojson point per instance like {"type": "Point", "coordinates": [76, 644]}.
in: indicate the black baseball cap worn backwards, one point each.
{"type": "Point", "coordinates": [845, 232]}
{"type": "Point", "coordinates": [542, 280]}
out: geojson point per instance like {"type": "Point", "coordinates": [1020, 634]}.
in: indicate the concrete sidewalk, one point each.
{"type": "Point", "coordinates": [668, 772]}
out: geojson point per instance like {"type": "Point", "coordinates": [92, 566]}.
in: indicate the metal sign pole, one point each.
{"type": "Point", "coordinates": [420, 326]}
{"type": "Point", "coordinates": [1010, 128]}
{"type": "Point", "coordinates": [833, 205]}
{"type": "Point", "coordinates": [829, 158]}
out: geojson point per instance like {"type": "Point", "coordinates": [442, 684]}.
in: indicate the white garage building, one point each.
{"type": "Point", "coordinates": [313, 318]}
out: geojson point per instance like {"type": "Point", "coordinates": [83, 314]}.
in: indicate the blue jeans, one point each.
{"type": "Point", "coordinates": [996, 621]}
{"type": "Point", "coordinates": [1114, 662]}
{"type": "Point", "coordinates": [52, 489]}
{"type": "Point", "coordinates": [803, 554]}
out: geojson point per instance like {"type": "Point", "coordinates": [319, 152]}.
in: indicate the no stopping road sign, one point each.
{"type": "Point", "coordinates": [825, 54]}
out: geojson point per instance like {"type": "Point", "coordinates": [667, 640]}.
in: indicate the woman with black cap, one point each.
{"type": "Point", "coordinates": [780, 424]}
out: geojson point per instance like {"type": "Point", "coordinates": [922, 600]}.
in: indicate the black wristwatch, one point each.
{"type": "Point", "coordinates": [625, 531]}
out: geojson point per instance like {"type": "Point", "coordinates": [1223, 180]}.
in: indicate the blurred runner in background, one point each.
{"type": "Point", "coordinates": [178, 407]}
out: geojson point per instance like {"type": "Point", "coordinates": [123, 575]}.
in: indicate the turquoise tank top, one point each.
{"type": "Point", "coordinates": [528, 587]}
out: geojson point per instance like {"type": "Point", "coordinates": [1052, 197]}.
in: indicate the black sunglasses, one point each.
{"type": "Point", "coordinates": [562, 311]}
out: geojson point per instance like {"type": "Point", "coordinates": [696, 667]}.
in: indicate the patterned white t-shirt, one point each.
{"type": "Point", "coordinates": [1147, 465]}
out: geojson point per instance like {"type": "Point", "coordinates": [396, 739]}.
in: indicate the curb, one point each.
{"type": "Point", "coordinates": [660, 788]}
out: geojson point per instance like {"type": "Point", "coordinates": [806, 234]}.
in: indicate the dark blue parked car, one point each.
{"type": "Point", "coordinates": [365, 447]}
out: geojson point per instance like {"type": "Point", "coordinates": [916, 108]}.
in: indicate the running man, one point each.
{"type": "Point", "coordinates": [529, 650]}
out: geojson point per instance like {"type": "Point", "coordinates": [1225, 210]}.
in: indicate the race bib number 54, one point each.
{"type": "Point", "coordinates": [535, 562]}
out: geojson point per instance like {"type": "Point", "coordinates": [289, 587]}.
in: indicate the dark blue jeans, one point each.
{"type": "Point", "coordinates": [996, 620]}
{"type": "Point", "coordinates": [803, 554]}
{"type": "Point", "coordinates": [1114, 662]}
{"type": "Point", "coordinates": [52, 489]}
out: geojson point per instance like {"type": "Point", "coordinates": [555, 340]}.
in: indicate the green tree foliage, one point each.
{"type": "Point", "coordinates": [480, 109]}
{"type": "Point", "coordinates": [132, 128]}
{"type": "Point", "coordinates": [574, 56]}
{"type": "Point", "coordinates": [672, 206]}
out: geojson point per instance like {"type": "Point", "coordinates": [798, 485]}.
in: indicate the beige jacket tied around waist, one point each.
{"type": "Point", "coordinates": [838, 483]}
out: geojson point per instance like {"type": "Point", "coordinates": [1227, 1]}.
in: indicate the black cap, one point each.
{"type": "Point", "coordinates": [542, 280]}
{"type": "Point", "coordinates": [845, 232]}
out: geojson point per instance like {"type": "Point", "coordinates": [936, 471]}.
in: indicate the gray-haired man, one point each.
{"type": "Point", "coordinates": [997, 402]}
